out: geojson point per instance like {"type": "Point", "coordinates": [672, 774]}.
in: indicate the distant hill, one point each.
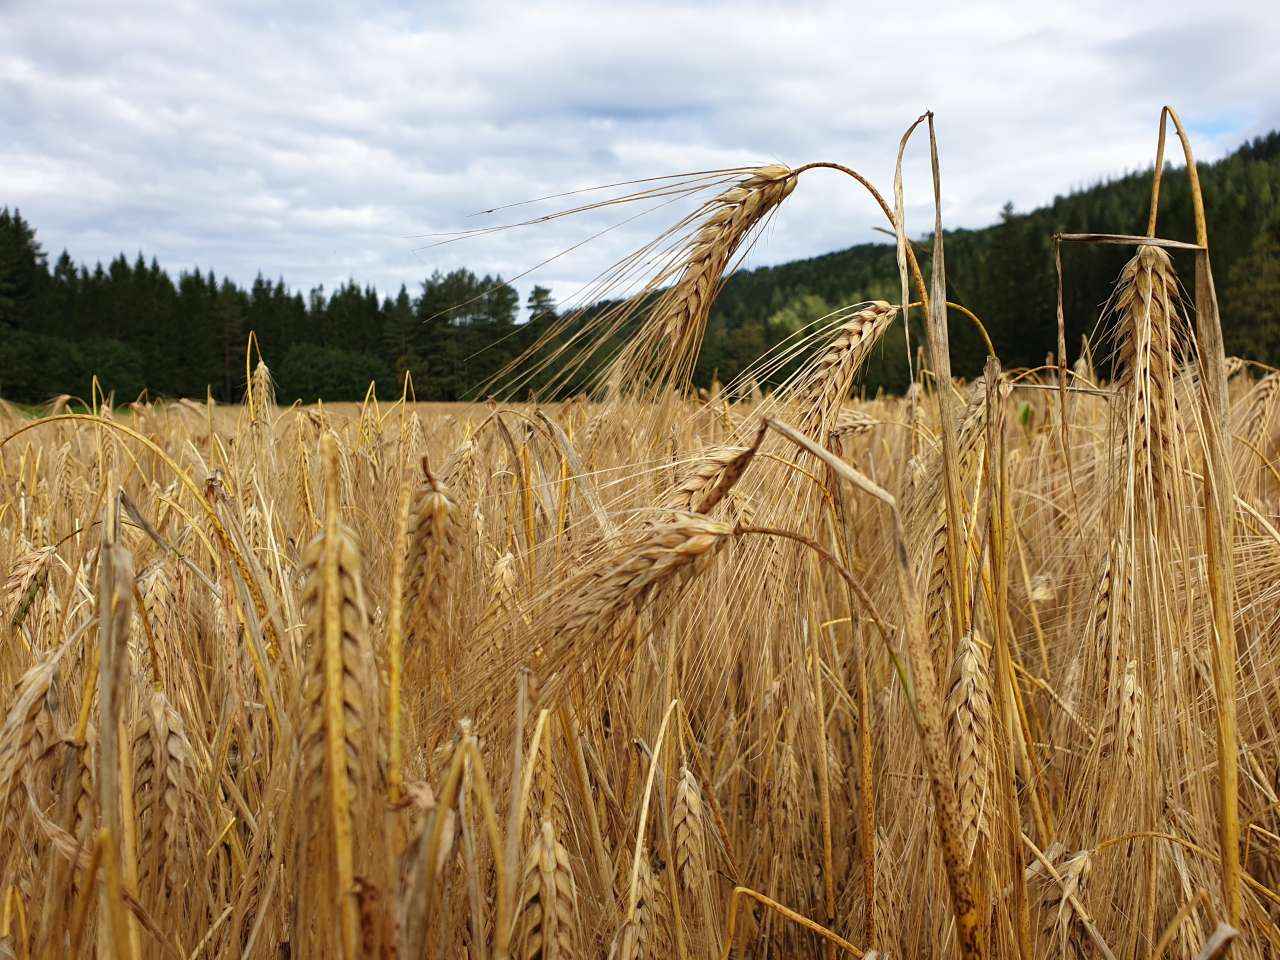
{"type": "Point", "coordinates": [1005, 272]}
{"type": "Point", "coordinates": [137, 328]}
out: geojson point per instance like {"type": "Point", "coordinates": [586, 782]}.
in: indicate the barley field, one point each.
{"type": "Point", "coordinates": [985, 670]}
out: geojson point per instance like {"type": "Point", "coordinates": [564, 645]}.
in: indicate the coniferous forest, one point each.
{"type": "Point", "coordinates": [139, 328]}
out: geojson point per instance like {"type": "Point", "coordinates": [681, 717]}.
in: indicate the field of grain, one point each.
{"type": "Point", "coordinates": [986, 670]}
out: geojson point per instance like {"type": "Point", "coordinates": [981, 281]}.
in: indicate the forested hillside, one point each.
{"type": "Point", "coordinates": [1005, 273]}
{"type": "Point", "coordinates": [138, 328]}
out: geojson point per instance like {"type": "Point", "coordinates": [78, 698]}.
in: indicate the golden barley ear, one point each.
{"type": "Point", "coordinates": [262, 393]}
{"type": "Point", "coordinates": [688, 826]}
{"type": "Point", "coordinates": [663, 353]}
{"type": "Point", "coordinates": [969, 730]}
{"type": "Point", "coordinates": [828, 386]}
{"type": "Point", "coordinates": [712, 477]}
{"type": "Point", "coordinates": [435, 539]}
{"type": "Point", "coordinates": [1129, 719]}
{"type": "Point", "coordinates": [638, 937]}
{"type": "Point", "coordinates": [339, 741]}
{"type": "Point", "coordinates": [171, 812]}
{"type": "Point", "coordinates": [851, 424]}
{"type": "Point", "coordinates": [631, 576]}
{"type": "Point", "coordinates": [1151, 330]}
{"type": "Point", "coordinates": [548, 920]}
{"type": "Point", "coordinates": [18, 735]}
{"type": "Point", "coordinates": [26, 581]}
{"type": "Point", "coordinates": [1060, 924]}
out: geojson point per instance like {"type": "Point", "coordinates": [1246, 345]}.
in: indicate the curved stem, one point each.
{"type": "Point", "coordinates": [644, 813]}
{"type": "Point", "coordinates": [965, 311]}
{"type": "Point", "coordinates": [1193, 175]}
{"type": "Point", "coordinates": [827, 935]}
{"type": "Point", "coordinates": [916, 275]}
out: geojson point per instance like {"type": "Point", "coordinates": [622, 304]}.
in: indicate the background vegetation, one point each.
{"type": "Point", "coordinates": [138, 328]}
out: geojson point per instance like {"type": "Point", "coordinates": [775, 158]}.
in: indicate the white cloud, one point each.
{"type": "Point", "coordinates": [317, 142]}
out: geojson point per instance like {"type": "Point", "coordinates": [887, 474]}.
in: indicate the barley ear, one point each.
{"type": "Point", "coordinates": [339, 677]}
{"type": "Point", "coordinates": [548, 918]}
{"type": "Point", "coordinates": [968, 730]}
{"type": "Point", "coordinates": [434, 543]}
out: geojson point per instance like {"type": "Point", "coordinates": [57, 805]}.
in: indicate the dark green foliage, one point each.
{"type": "Point", "coordinates": [1005, 273]}
{"type": "Point", "coordinates": [136, 327]}
{"type": "Point", "coordinates": [30, 361]}
{"type": "Point", "coordinates": [1253, 293]}
{"type": "Point", "coordinates": [22, 270]}
{"type": "Point", "coordinates": [311, 372]}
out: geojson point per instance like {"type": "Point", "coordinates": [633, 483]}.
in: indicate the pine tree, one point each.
{"type": "Point", "coordinates": [22, 267]}
{"type": "Point", "coordinates": [541, 306]}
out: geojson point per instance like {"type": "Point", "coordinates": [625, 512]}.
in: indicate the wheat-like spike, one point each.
{"type": "Point", "coordinates": [889, 907]}
{"type": "Point", "coordinates": [1112, 613]}
{"type": "Point", "coordinates": [1059, 923]}
{"type": "Point", "coordinates": [1102, 597]}
{"type": "Point", "coordinates": [263, 389]}
{"type": "Point", "coordinates": [160, 607]}
{"type": "Point", "coordinates": [637, 938]}
{"type": "Point", "coordinates": [26, 579]}
{"type": "Point", "coordinates": [83, 789]}
{"type": "Point", "coordinates": [460, 473]}
{"type": "Point", "coordinates": [968, 729]}
{"type": "Point", "coordinates": [1147, 303]}
{"type": "Point", "coordinates": [168, 808]}
{"type": "Point", "coordinates": [338, 739]}
{"type": "Point", "coordinates": [712, 477]}
{"type": "Point", "coordinates": [969, 437]}
{"type": "Point", "coordinates": [1260, 413]}
{"type": "Point", "coordinates": [434, 544]}
{"type": "Point", "coordinates": [663, 353]}
{"type": "Point", "coordinates": [690, 494]}
{"type": "Point", "coordinates": [548, 917]}
{"type": "Point", "coordinates": [850, 424]}
{"type": "Point", "coordinates": [19, 733]}
{"type": "Point", "coordinates": [790, 822]}
{"type": "Point", "coordinates": [146, 786]}
{"type": "Point", "coordinates": [689, 832]}
{"type": "Point", "coordinates": [630, 576]}
{"type": "Point", "coordinates": [729, 218]}
{"type": "Point", "coordinates": [1129, 719]}
{"type": "Point", "coordinates": [828, 386]}
{"type": "Point", "coordinates": [504, 604]}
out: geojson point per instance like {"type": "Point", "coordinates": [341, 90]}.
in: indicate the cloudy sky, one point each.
{"type": "Point", "coordinates": [320, 141]}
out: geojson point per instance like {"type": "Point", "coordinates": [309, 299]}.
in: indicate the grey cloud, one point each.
{"type": "Point", "coordinates": [318, 142]}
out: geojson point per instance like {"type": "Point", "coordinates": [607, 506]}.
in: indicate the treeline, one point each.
{"type": "Point", "coordinates": [137, 328]}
